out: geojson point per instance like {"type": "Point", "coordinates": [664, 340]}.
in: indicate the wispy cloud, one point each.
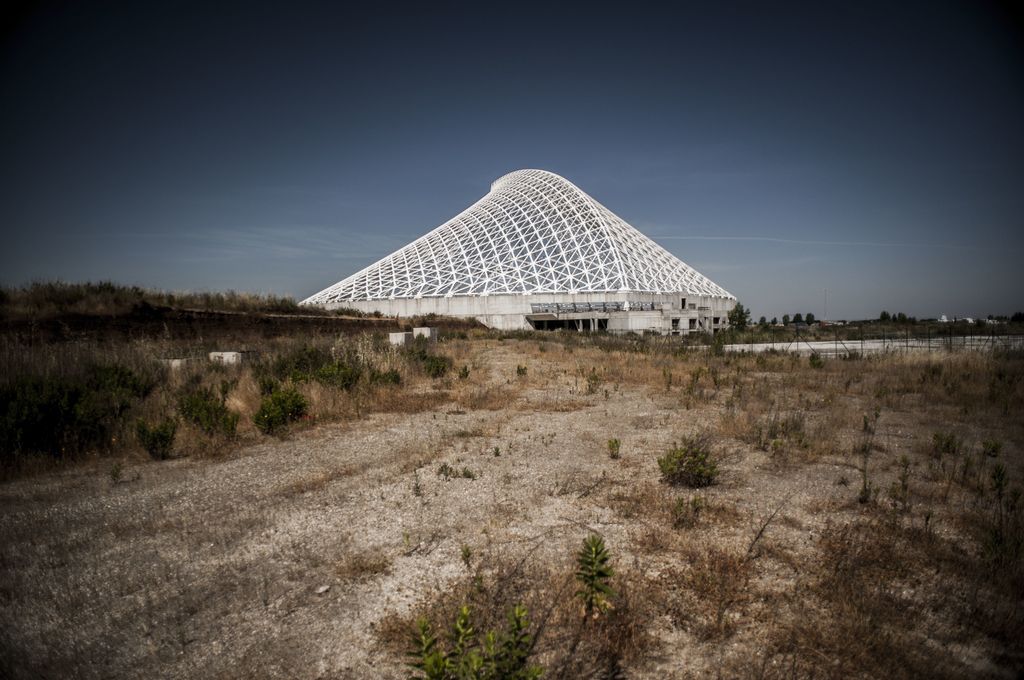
{"type": "Point", "coordinates": [811, 242]}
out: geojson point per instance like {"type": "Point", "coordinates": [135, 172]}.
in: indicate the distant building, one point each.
{"type": "Point", "coordinates": [538, 252]}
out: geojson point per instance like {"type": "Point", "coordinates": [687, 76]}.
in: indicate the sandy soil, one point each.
{"type": "Point", "coordinates": [291, 558]}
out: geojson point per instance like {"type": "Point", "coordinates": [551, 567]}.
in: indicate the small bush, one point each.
{"type": "Point", "coordinates": [520, 371]}
{"type": "Point", "coordinates": [433, 365]}
{"type": "Point", "coordinates": [816, 360]}
{"type": "Point", "coordinates": [498, 654]}
{"type": "Point", "coordinates": [690, 463]}
{"type": "Point", "coordinates": [157, 440]}
{"type": "Point", "coordinates": [300, 365]}
{"type": "Point", "coordinates": [594, 574]}
{"type": "Point", "coordinates": [436, 366]}
{"type": "Point", "coordinates": [464, 373]}
{"type": "Point", "coordinates": [614, 448]}
{"type": "Point", "coordinates": [201, 407]}
{"type": "Point", "coordinates": [67, 415]}
{"type": "Point", "coordinates": [338, 374]}
{"type": "Point", "coordinates": [685, 513]}
{"type": "Point", "coordinates": [282, 407]}
{"type": "Point", "coordinates": [267, 384]}
{"type": "Point", "coordinates": [388, 377]}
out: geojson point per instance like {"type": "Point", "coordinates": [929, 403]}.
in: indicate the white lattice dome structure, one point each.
{"type": "Point", "coordinates": [533, 243]}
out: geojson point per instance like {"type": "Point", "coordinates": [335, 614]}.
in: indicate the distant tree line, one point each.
{"type": "Point", "coordinates": [900, 318]}
{"type": "Point", "coordinates": [739, 318]}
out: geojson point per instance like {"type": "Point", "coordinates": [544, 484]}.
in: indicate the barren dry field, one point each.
{"type": "Point", "coordinates": [864, 521]}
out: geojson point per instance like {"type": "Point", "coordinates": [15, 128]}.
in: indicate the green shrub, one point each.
{"type": "Point", "coordinates": [68, 415]}
{"type": "Point", "coordinates": [267, 384]}
{"type": "Point", "coordinates": [388, 377]}
{"type": "Point", "coordinates": [433, 365]}
{"type": "Point", "coordinates": [436, 366]}
{"type": "Point", "coordinates": [498, 655]}
{"type": "Point", "coordinates": [338, 374]}
{"type": "Point", "coordinates": [594, 574]}
{"type": "Point", "coordinates": [816, 360]}
{"type": "Point", "coordinates": [276, 411]}
{"type": "Point", "coordinates": [690, 463]}
{"type": "Point", "coordinates": [614, 448]}
{"type": "Point", "coordinates": [300, 364]}
{"type": "Point", "coordinates": [157, 440]}
{"type": "Point", "coordinates": [201, 407]}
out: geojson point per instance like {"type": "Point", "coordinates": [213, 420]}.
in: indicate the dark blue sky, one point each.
{"type": "Point", "coordinates": [876, 150]}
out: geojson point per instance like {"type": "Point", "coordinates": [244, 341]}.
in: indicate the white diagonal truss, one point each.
{"type": "Point", "coordinates": [535, 232]}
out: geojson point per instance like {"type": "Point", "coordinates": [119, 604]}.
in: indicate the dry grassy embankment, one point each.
{"type": "Point", "coordinates": [864, 518]}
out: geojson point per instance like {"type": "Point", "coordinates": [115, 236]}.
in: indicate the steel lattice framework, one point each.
{"type": "Point", "coordinates": [535, 232]}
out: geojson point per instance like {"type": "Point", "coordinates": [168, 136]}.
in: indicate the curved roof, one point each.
{"type": "Point", "coordinates": [534, 232]}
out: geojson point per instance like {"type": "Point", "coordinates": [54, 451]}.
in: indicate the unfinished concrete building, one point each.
{"type": "Point", "coordinates": [537, 252]}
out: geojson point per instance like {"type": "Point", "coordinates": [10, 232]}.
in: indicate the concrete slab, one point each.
{"type": "Point", "coordinates": [425, 332]}
{"type": "Point", "coordinates": [400, 339]}
{"type": "Point", "coordinates": [232, 358]}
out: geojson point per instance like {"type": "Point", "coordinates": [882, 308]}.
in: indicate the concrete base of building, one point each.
{"type": "Point", "coordinates": [622, 312]}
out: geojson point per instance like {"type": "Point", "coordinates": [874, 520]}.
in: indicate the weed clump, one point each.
{"type": "Point", "coordinates": [499, 654]}
{"type": "Point", "coordinates": [282, 407]}
{"type": "Point", "coordinates": [946, 443]}
{"type": "Point", "coordinates": [687, 512]}
{"type": "Point", "coordinates": [340, 374]}
{"type": "Point", "coordinates": [689, 463]}
{"type": "Point", "coordinates": [435, 366]}
{"type": "Point", "coordinates": [157, 440]}
{"type": "Point", "coordinates": [388, 377]}
{"type": "Point", "coordinates": [201, 407]}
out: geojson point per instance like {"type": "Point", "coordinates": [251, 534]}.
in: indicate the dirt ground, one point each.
{"type": "Point", "coordinates": [311, 555]}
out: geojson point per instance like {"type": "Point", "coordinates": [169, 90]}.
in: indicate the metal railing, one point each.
{"type": "Point", "coordinates": [582, 307]}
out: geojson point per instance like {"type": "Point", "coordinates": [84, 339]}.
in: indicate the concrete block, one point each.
{"type": "Point", "coordinates": [400, 339]}
{"type": "Point", "coordinates": [425, 332]}
{"type": "Point", "coordinates": [232, 358]}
